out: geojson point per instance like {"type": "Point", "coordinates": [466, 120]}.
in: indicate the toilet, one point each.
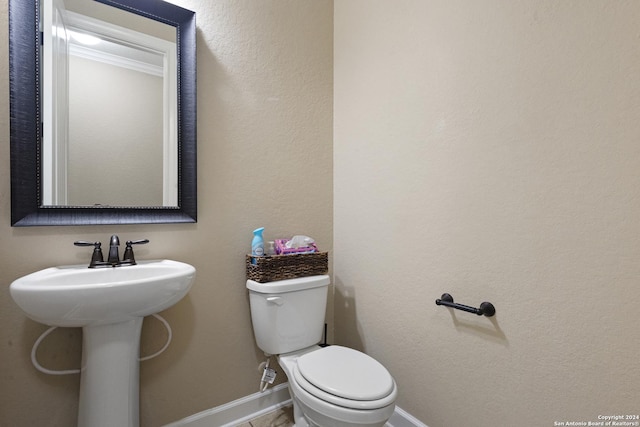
{"type": "Point", "coordinates": [330, 386]}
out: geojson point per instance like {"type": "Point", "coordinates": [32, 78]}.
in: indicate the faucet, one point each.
{"type": "Point", "coordinates": [114, 259]}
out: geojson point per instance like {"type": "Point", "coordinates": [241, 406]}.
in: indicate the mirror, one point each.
{"type": "Point", "coordinates": [129, 157]}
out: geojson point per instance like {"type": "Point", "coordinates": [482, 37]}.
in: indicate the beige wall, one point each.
{"type": "Point", "coordinates": [490, 149]}
{"type": "Point", "coordinates": [264, 159]}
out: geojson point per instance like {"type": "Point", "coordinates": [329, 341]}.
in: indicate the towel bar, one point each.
{"type": "Point", "coordinates": [486, 308]}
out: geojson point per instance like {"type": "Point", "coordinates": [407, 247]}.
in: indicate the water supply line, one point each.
{"type": "Point", "coordinates": [166, 344]}
{"type": "Point", "coordinates": [268, 375]}
{"type": "Point", "coordinates": [39, 367]}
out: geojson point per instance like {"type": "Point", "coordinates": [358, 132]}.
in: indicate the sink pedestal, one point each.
{"type": "Point", "coordinates": [110, 376]}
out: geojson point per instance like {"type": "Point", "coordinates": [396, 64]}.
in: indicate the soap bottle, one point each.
{"type": "Point", "coordinates": [257, 244]}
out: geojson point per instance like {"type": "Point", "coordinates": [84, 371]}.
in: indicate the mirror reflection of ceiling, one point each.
{"type": "Point", "coordinates": [121, 18]}
{"type": "Point", "coordinates": [89, 46]}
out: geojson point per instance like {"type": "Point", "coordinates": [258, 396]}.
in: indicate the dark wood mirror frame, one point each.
{"type": "Point", "coordinates": [26, 129]}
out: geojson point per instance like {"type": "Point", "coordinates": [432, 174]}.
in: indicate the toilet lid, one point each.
{"type": "Point", "coordinates": [346, 373]}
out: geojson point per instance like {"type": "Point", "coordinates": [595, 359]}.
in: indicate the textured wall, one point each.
{"type": "Point", "coordinates": [489, 149]}
{"type": "Point", "coordinates": [264, 159]}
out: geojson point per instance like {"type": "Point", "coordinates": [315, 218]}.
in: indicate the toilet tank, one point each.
{"type": "Point", "coordinates": [288, 315]}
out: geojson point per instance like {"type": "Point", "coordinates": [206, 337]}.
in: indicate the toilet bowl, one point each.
{"type": "Point", "coordinates": [330, 386]}
{"type": "Point", "coordinates": [338, 387]}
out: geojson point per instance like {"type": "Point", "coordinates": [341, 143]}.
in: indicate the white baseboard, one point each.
{"type": "Point", "coordinates": [401, 418]}
{"type": "Point", "coordinates": [239, 411]}
{"type": "Point", "coordinates": [247, 408]}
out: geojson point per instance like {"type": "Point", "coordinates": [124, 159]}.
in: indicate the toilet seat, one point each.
{"type": "Point", "coordinates": [345, 377]}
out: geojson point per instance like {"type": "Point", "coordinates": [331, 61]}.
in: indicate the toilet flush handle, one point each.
{"type": "Point", "coordinates": [275, 300]}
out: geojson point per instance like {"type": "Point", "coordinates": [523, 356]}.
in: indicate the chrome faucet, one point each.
{"type": "Point", "coordinates": [114, 259]}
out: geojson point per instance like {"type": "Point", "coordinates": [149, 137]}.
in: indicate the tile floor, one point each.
{"type": "Point", "coordinates": [281, 418]}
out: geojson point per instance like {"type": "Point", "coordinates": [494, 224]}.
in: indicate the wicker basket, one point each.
{"type": "Point", "coordinates": [280, 267]}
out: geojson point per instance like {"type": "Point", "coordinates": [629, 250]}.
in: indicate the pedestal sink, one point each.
{"type": "Point", "coordinates": [109, 305]}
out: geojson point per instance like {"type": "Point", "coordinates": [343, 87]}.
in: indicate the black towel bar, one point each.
{"type": "Point", "coordinates": [486, 308]}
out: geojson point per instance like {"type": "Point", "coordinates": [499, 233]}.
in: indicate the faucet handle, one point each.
{"type": "Point", "coordinates": [96, 257]}
{"type": "Point", "coordinates": [85, 243]}
{"type": "Point", "coordinates": [137, 242]}
{"type": "Point", "coordinates": [128, 250]}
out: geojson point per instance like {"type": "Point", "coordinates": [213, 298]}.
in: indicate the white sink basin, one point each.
{"type": "Point", "coordinates": [77, 296]}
